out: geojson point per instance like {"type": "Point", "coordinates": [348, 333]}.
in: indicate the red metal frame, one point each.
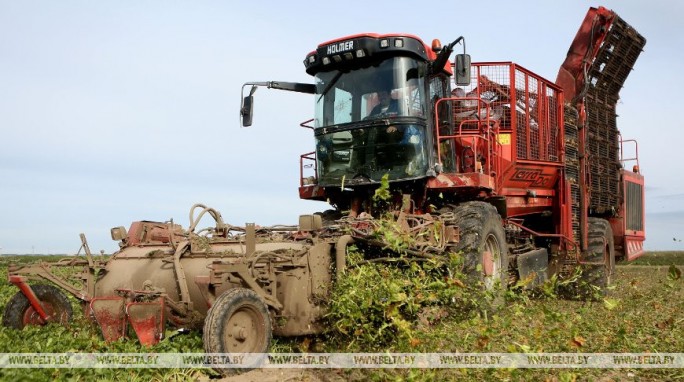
{"type": "Point", "coordinates": [148, 327]}
{"type": "Point", "coordinates": [528, 172]}
{"type": "Point", "coordinates": [110, 317]}
{"type": "Point", "coordinates": [584, 179]}
{"type": "Point", "coordinates": [562, 237]}
{"type": "Point", "coordinates": [530, 107]}
{"type": "Point", "coordinates": [592, 32]}
{"type": "Point", "coordinates": [633, 239]}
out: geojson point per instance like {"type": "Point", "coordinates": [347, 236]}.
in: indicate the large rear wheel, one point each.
{"type": "Point", "coordinates": [19, 312]}
{"type": "Point", "coordinates": [482, 243]}
{"type": "Point", "coordinates": [597, 278]}
{"type": "Point", "coordinates": [592, 280]}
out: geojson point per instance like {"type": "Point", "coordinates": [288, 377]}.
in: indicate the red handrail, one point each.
{"type": "Point", "coordinates": [308, 156]}
{"type": "Point", "coordinates": [487, 130]}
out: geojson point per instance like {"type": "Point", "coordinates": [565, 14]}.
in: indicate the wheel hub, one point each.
{"type": "Point", "coordinates": [491, 261]}
{"type": "Point", "coordinates": [31, 317]}
{"type": "Point", "coordinates": [242, 332]}
{"type": "Point", "coordinates": [239, 333]}
{"type": "Point", "coordinates": [488, 263]}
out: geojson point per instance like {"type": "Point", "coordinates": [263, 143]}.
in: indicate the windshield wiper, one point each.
{"type": "Point", "coordinates": [330, 85]}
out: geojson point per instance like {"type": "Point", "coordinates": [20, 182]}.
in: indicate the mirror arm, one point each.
{"type": "Point", "coordinates": [292, 86]}
{"type": "Point", "coordinates": [444, 54]}
{"type": "Point", "coordinates": [280, 85]}
{"type": "Point", "coordinates": [246, 103]}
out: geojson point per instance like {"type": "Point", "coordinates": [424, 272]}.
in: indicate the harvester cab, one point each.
{"type": "Point", "coordinates": [375, 98]}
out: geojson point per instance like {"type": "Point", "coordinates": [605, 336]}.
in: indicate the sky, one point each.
{"type": "Point", "coordinates": [115, 111]}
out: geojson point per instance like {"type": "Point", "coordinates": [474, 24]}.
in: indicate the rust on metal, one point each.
{"type": "Point", "coordinates": [110, 316]}
{"type": "Point", "coordinates": [147, 320]}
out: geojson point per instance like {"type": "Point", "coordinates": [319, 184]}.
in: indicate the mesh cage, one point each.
{"type": "Point", "coordinates": [522, 103]}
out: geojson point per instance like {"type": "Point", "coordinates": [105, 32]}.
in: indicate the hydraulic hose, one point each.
{"type": "Point", "coordinates": [341, 254]}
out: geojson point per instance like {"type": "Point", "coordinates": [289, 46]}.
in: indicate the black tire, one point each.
{"type": "Point", "coordinates": [328, 217]}
{"type": "Point", "coordinates": [237, 322]}
{"type": "Point", "coordinates": [596, 279]}
{"type": "Point", "coordinates": [592, 281]}
{"type": "Point", "coordinates": [481, 232]}
{"type": "Point", "coordinates": [19, 313]}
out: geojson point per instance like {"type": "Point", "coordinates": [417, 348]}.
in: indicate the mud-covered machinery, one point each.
{"type": "Point", "coordinates": [241, 283]}
{"type": "Point", "coordinates": [521, 177]}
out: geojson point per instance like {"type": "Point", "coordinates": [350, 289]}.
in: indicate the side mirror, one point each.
{"type": "Point", "coordinates": [119, 233]}
{"type": "Point", "coordinates": [462, 68]}
{"type": "Point", "coordinates": [247, 110]}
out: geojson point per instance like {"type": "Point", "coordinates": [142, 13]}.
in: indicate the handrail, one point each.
{"type": "Point", "coordinates": [451, 99]}
{"type": "Point", "coordinates": [636, 153]}
{"type": "Point", "coordinates": [487, 130]}
{"type": "Point", "coordinates": [304, 124]}
{"type": "Point", "coordinates": [307, 156]}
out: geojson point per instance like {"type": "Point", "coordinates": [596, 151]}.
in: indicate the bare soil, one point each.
{"type": "Point", "coordinates": [292, 375]}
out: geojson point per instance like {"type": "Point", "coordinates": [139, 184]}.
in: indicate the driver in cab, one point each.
{"type": "Point", "coordinates": [387, 104]}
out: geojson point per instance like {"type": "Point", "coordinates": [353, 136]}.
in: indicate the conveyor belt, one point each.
{"type": "Point", "coordinates": [606, 76]}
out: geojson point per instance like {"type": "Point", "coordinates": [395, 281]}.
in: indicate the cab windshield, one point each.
{"type": "Point", "coordinates": [382, 96]}
{"type": "Point", "coordinates": [365, 155]}
{"type": "Point", "coordinates": [392, 87]}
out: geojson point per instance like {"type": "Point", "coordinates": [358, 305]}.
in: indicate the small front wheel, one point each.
{"type": "Point", "coordinates": [19, 312]}
{"type": "Point", "coordinates": [238, 322]}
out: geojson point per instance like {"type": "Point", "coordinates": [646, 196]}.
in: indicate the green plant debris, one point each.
{"type": "Point", "coordinates": [414, 307]}
{"type": "Point", "coordinates": [382, 193]}
{"type": "Point", "coordinates": [382, 305]}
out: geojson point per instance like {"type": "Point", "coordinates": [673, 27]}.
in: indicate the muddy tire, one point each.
{"type": "Point", "coordinates": [595, 280]}
{"type": "Point", "coordinates": [329, 217]}
{"type": "Point", "coordinates": [19, 313]}
{"type": "Point", "coordinates": [237, 322]}
{"type": "Point", "coordinates": [482, 244]}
